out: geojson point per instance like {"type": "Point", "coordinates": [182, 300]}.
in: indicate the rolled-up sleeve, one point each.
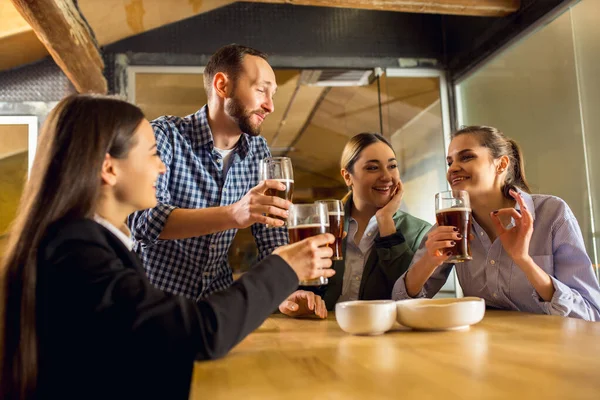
{"type": "Point", "coordinates": [577, 293]}
{"type": "Point", "coordinates": [147, 225]}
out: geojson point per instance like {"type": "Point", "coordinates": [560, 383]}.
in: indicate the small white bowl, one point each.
{"type": "Point", "coordinates": [366, 317]}
{"type": "Point", "coordinates": [440, 314]}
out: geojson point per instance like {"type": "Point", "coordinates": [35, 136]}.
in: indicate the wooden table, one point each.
{"type": "Point", "coordinates": [508, 355]}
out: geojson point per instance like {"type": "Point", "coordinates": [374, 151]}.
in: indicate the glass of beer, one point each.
{"type": "Point", "coordinates": [453, 208]}
{"type": "Point", "coordinates": [335, 211]}
{"type": "Point", "coordinates": [304, 221]}
{"type": "Point", "coordinates": [278, 169]}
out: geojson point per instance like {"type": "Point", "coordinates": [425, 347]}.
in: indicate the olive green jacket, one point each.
{"type": "Point", "coordinates": [389, 259]}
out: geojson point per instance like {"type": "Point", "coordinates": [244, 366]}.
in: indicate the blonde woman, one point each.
{"type": "Point", "coordinates": [381, 240]}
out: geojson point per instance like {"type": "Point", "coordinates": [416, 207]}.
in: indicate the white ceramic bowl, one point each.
{"type": "Point", "coordinates": [438, 314]}
{"type": "Point", "coordinates": [366, 317]}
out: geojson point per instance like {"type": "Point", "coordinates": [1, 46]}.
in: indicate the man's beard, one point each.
{"type": "Point", "coordinates": [236, 110]}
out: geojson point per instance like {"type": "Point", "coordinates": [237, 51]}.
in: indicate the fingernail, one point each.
{"type": "Point", "coordinates": [459, 236]}
{"type": "Point", "coordinates": [495, 212]}
{"type": "Point", "coordinates": [448, 253]}
{"type": "Point", "coordinates": [453, 243]}
{"type": "Point", "coordinates": [455, 229]}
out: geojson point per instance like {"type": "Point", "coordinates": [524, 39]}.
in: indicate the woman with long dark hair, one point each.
{"type": "Point", "coordinates": [528, 251]}
{"type": "Point", "coordinates": [80, 319]}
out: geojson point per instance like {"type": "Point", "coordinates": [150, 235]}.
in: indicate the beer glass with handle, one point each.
{"type": "Point", "coordinates": [304, 221]}
{"type": "Point", "coordinates": [278, 169]}
{"type": "Point", "coordinates": [335, 212]}
{"type": "Point", "coordinates": [453, 208]}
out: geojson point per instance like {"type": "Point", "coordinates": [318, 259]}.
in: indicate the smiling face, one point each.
{"type": "Point", "coordinates": [137, 173]}
{"type": "Point", "coordinates": [471, 166]}
{"type": "Point", "coordinates": [251, 99]}
{"type": "Point", "coordinates": [374, 176]}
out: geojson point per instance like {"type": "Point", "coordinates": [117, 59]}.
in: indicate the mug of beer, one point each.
{"type": "Point", "coordinates": [453, 208]}
{"type": "Point", "coordinates": [278, 169]}
{"type": "Point", "coordinates": [335, 212]}
{"type": "Point", "coordinates": [304, 221]}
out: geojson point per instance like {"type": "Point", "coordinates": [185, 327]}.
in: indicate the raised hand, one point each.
{"type": "Point", "coordinates": [251, 208]}
{"type": "Point", "coordinates": [516, 239]}
{"type": "Point", "coordinates": [309, 258]}
{"type": "Point", "coordinates": [394, 204]}
{"type": "Point", "coordinates": [303, 302]}
{"type": "Point", "coordinates": [439, 239]}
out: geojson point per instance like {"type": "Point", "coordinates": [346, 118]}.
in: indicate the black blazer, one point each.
{"type": "Point", "coordinates": [105, 332]}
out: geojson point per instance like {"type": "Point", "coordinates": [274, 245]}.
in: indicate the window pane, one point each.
{"type": "Point", "coordinates": [530, 93]}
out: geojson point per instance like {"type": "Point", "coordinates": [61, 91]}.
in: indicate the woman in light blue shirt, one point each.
{"type": "Point", "coordinates": [528, 251]}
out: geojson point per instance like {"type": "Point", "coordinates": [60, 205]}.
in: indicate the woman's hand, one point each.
{"type": "Point", "coordinates": [516, 239]}
{"type": "Point", "coordinates": [303, 302]}
{"type": "Point", "coordinates": [309, 258]}
{"type": "Point", "coordinates": [385, 215]}
{"type": "Point", "coordinates": [439, 240]}
{"type": "Point", "coordinates": [393, 205]}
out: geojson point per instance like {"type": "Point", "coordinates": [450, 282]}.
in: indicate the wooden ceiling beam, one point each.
{"type": "Point", "coordinates": [482, 8]}
{"type": "Point", "coordinates": [69, 40]}
{"type": "Point", "coordinates": [110, 20]}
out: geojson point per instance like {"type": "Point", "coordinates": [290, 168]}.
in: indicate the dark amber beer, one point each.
{"type": "Point", "coordinates": [278, 169]}
{"type": "Point", "coordinates": [286, 194]}
{"type": "Point", "coordinates": [460, 218]}
{"type": "Point", "coordinates": [301, 232]}
{"type": "Point", "coordinates": [335, 213]}
{"type": "Point", "coordinates": [336, 228]}
{"type": "Point", "coordinates": [304, 221]}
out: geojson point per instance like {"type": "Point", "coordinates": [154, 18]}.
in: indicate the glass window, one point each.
{"type": "Point", "coordinates": [543, 92]}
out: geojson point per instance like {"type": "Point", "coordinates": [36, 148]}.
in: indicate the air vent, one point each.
{"type": "Point", "coordinates": [336, 77]}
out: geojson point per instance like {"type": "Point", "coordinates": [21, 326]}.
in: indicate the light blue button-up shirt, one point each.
{"type": "Point", "coordinates": [556, 246]}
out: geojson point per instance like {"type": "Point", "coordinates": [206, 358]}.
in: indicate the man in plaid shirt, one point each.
{"type": "Point", "coordinates": [211, 186]}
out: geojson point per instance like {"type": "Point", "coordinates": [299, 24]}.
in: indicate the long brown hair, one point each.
{"type": "Point", "coordinates": [499, 145]}
{"type": "Point", "coordinates": [64, 183]}
{"type": "Point", "coordinates": [354, 147]}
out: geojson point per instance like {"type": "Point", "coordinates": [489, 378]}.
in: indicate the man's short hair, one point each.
{"type": "Point", "coordinates": [228, 60]}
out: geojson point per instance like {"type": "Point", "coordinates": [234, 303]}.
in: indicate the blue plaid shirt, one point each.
{"type": "Point", "coordinates": [198, 266]}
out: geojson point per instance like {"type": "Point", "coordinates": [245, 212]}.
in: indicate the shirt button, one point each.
{"type": "Point", "coordinates": [357, 278]}
{"type": "Point", "coordinates": [218, 160]}
{"type": "Point", "coordinates": [369, 234]}
{"type": "Point", "coordinates": [212, 247]}
{"type": "Point", "coordinates": [481, 233]}
{"type": "Point", "coordinates": [495, 295]}
{"type": "Point", "coordinates": [492, 262]}
{"type": "Point", "coordinates": [224, 190]}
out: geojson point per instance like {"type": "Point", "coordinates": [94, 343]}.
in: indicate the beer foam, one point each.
{"type": "Point", "coordinates": [336, 213]}
{"type": "Point", "coordinates": [308, 226]}
{"type": "Point", "coordinates": [453, 209]}
{"type": "Point", "coordinates": [283, 180]}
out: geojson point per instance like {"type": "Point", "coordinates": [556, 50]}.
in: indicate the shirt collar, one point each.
{"type": "Point", "coordinates": [371, 225]}
{"type": "Point", "coordinates": [204, 136]}
{"type": "Point", "coordinates": [123, 234]}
